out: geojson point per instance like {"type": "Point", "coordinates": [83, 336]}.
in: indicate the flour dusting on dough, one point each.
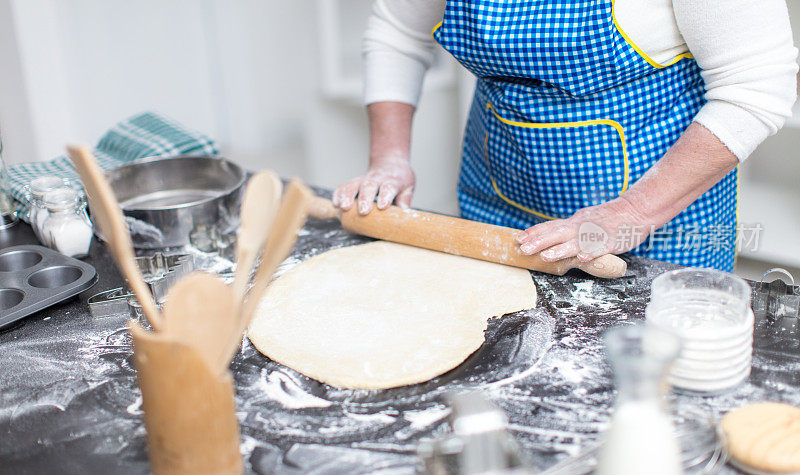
{"type": "Point", "coordinates": [382, 315]}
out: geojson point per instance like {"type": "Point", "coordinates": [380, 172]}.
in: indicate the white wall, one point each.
{"type": "Point", "coordinates": [770, 196]}
{"type": "Point", "coordinates": [15, 115]}
{"type": "Point", "coordinates": [86, 64]}
{"type": "Point", "coordinates": [246, 72]}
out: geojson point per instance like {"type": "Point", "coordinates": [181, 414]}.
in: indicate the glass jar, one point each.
{"type": "Point", "coordinates": [699, 302]}
{"type": "Point", "coordinates": [67, 228]}
{"type": "Point", "coordinates": [37, 212]}
{"type": "Point", "coordinates": [641, 438]}
{"type": "Point", "coordinates": [710, 311]}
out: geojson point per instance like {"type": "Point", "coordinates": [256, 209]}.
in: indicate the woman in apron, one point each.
{"type": "Point", "coordinates": [591, 142]}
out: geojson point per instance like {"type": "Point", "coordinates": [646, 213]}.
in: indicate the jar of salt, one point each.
{"type": "Point", "coordinates": [67, 228]}
{"type": "Point", "coordinates": [38, 211]}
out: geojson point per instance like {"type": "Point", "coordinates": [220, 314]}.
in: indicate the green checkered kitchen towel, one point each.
{"type": "Point", "coordinates": [144, 135]}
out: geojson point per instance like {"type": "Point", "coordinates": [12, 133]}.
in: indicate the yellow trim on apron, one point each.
{"type": "Point", "coordinates": [500, 193]}
{"type": "Point", "coordinates": [438, 25]}
{"type": "Point", "coordinates": [627, 38]}
{"type": "Point", "coordinates": [640, 51]}
{"type": "Point", "coordinates": [555, 125]}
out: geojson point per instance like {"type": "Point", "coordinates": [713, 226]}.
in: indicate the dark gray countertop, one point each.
{"type": "Point", "coordinates": [69, 402]}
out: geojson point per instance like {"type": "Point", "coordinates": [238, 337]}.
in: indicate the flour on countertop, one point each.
{"type": "Point", "coordinates": [68, 386]}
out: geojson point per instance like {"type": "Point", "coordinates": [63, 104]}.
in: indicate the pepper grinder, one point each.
{"type": "Point", "coordinates": [8, 212]}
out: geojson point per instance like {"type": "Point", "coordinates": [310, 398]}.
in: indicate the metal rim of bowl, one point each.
{"type": "Point", "coordinates": [224, 192]}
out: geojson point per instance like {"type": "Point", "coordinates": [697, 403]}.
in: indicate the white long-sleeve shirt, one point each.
{"type": "Point", "coordinates": [744, 48]}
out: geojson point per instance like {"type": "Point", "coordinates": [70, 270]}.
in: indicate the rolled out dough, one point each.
{"type": "Point", "coordinates": [382, 315]}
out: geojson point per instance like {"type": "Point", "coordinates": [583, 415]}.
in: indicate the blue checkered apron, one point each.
{"type": "Point", "coordinates": [568, 112]}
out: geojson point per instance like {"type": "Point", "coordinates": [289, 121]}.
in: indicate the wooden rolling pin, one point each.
{"type": "Point", "coordinates": [460, 237]}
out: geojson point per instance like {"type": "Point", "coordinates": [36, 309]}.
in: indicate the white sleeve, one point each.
{"type": "Point", "coordinates": [398, 48]}
{"type": "Point", "coordinates": [745, 50]}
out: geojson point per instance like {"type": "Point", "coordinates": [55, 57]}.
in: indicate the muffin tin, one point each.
{"type": "Point", "coordinates": [33, 278]}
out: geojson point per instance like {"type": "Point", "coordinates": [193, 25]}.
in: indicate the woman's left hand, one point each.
{"type": "Point", "coordinates": [610, 228]}
{"type": "Point", "coordinates": [692, 166]}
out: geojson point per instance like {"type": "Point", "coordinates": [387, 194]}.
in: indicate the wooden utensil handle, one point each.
{"type": "Point", "coordinates": [461, 237]}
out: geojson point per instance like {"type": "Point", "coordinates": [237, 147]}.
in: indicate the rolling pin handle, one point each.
{"type": "Point", "coordinates": [322, 208]}
{"type": "Point", "coordinates": [607, 266]}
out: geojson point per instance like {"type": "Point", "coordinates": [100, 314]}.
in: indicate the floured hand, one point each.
{"type": "Point", "coordinates": [562, 238]}
{"type": "Point", "coordinates": [388, 180]}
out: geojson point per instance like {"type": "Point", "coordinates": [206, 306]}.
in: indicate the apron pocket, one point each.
{"type": "Point", "coordinates": [552, 170]}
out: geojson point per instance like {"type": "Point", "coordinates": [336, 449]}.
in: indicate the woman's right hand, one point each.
{"type": "Point", "coordinates": [387, 179]}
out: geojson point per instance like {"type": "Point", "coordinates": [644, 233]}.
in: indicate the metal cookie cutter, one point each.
{"type": "Point", "coordinates": [778, 302]}
{"type": "Point", "coordinates": [480, 442]}
{"type": "Point", "coordinates": [160, 272]}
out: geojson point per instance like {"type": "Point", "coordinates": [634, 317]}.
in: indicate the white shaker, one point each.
{"type": "Point", "coordinates": [38, 211]}
{"type": "Point", "coordinates": [66, 227]}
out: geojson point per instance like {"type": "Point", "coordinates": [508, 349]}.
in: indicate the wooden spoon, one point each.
{"type": "Point", "coordinates": [199, 312]}
{"type": "Point", "coordinates": [262, 197]}
{"type": "Point", "coordinates": [108, 215]}
{"type": "Point", "coordinates": [282, 237]}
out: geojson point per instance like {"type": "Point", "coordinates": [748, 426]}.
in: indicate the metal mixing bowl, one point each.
{"type": "Point", "coordinates": [172, 202]}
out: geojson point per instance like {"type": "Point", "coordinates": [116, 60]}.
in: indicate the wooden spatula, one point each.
{"type": "Point", "coordinates": [282, 237]}
{"type": "Point", "coordinates": [108, 215]}
{"type": "Point", "coordinates": [291, 217]}
{"type": "Point", "coordinates": [262, 198]}
{"type": "Point", "coordinates": [460, 237]}
{"type": "Point", "coordinates": [199, 312]}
